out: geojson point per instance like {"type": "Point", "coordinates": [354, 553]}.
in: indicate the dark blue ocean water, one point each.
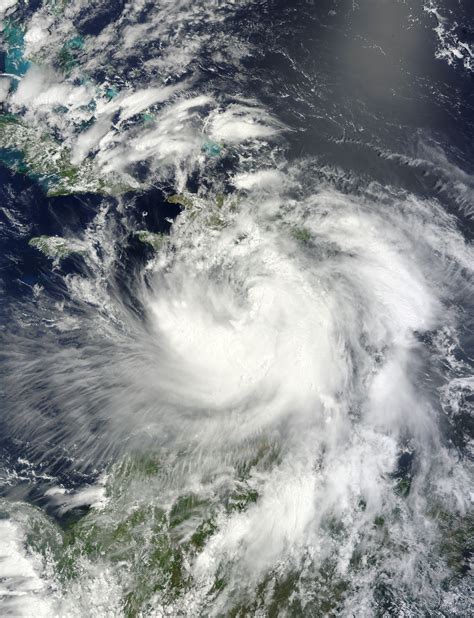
{"type": "Point", "coordinates": [370, 95]}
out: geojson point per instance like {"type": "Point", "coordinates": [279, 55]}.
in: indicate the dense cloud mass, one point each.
{"type": "Point", "coordinates": [236, 344]}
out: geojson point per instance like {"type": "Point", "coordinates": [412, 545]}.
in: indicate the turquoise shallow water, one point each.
{"type": "Point", "coordinates": [236, 331]}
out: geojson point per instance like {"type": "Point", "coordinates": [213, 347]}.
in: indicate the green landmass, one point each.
{"type": "Point", "coordinates": [150, 238]}
{"type": "Point", "coordinates": [183, 200]}
{"type": "Point", "coordinates": [27, 150]}
{"type": "Point", "coordinates": [56, 247]}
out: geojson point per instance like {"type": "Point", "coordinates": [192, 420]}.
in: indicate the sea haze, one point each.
{"type": "Point", "coordinates": [236, 278]}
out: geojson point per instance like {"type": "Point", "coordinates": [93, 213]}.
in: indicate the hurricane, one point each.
{"type": "Point", "coordinates": [236, 323]}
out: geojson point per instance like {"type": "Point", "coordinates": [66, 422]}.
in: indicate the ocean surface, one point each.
{"type": "Point", "coordinates": [236, 317]}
